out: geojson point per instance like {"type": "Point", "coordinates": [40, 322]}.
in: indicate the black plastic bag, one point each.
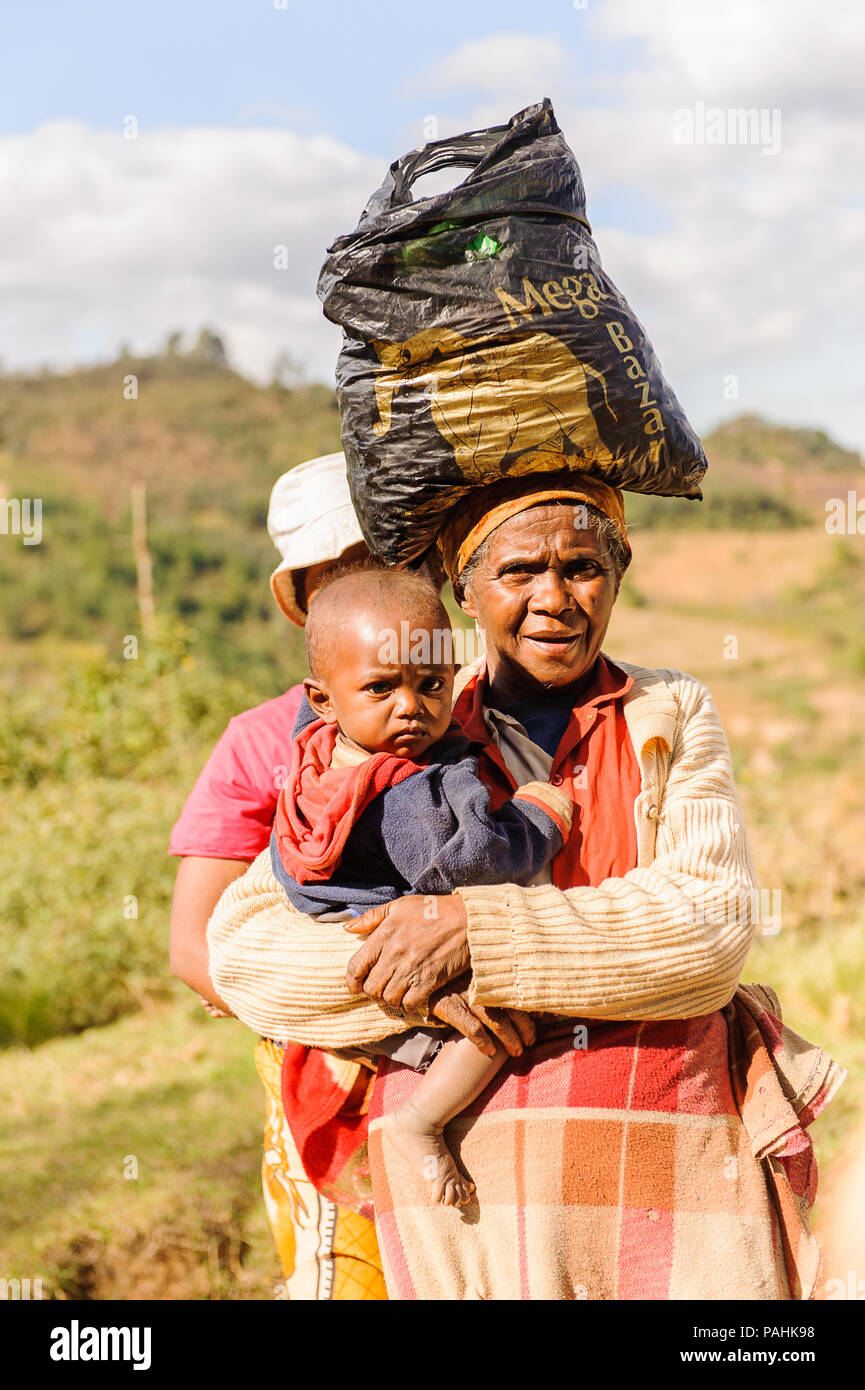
{"type": "Point", "coordinates": [483, 340]}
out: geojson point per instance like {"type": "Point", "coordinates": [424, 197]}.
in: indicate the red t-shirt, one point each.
{"type": "Point", "coordinates": [229, 812]}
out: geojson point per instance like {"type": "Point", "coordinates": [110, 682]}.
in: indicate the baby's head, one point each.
{"type": "Point", "coordinates": [379, 648]}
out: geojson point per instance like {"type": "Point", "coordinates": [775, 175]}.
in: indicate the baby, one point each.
{"type": "Point", "coordinates": [382, 799]}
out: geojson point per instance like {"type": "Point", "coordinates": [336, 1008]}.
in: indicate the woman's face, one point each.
{"type": "Point", "coordinates": [543, 595]}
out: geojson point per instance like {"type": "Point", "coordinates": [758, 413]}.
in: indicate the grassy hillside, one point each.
{"type": "Point", "coordinates": [208, 445]}
{"type": "Point", "coordinates": [129, 1162]}
{"type": "Point", "coordinates": [105, 1056]}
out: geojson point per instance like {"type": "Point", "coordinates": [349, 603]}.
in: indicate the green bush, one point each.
{"type": "Point", "coordinates": [94, 769]}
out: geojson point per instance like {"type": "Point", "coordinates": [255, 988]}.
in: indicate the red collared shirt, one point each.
{"type": "Point", "coordinates": [595, 763]}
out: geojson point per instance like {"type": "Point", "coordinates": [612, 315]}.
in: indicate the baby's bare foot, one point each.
{"type": "Point", "coordinates": [421, 1143]}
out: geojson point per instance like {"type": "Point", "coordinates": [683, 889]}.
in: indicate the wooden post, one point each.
{"type": "Point", "coordinates": [143, 563]}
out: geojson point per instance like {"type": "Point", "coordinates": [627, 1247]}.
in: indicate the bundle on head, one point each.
{"type": "Point", "coordinates": [483, 340]}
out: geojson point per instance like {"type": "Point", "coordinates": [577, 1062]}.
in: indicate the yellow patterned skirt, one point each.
{"type": "Point", "coordinates": [326, 1251]}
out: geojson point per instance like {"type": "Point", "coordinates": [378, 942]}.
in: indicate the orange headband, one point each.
{"type": "Point", "coordinates": [478, 514]}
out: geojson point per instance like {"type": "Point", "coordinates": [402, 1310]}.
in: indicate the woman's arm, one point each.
{"type": "Point", "coordinates": [284, 974]}
{"type": "Point", "coordinates": [667, 940]}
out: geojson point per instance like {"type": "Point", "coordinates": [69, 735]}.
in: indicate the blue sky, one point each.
{"type": "Point", "coordinates": [260, 126]}
{"type": "Point", "coordinates": [344, 67]}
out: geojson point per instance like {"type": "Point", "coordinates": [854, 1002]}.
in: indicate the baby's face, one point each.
{"type": "Point", "coordinates": [389, 689]}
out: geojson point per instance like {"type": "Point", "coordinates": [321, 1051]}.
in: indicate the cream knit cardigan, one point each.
{"type": "Point", "coordinates": [667, 940]}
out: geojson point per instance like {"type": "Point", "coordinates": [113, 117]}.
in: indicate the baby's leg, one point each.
{"type": "Point", "coordinates": [456, 1077]}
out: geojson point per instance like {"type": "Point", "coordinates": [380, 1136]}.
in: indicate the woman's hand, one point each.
{"type": "Point", "coordinates": [416, 945]}
{"type": "Point", "coordinates": [514, 1030]}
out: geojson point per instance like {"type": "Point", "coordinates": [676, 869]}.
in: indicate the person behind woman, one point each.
{"type": "Point", "coordinates": [652, 1143]}
{"type": "Point", "coordinates": [326, 1250]}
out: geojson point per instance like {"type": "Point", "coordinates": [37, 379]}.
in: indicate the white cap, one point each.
{"type": "Point", "coordinates": [310, 520]}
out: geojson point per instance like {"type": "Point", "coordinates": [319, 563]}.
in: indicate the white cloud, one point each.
{"type": "Point", "coordinates": [792, 51]}
{"type": "Point", "coordinates": [760, 271]}
{"type": "Point", "coordinates": [108, 240]}
{"type": "Point", "coordinates": [502, 62]}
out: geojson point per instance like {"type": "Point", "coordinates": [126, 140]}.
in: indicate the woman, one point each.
{"type": "Point", "coordinates": [651, 1143]}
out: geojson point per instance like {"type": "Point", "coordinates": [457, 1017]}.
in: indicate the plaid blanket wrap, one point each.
{"type": "Point", "coordinates": [621, 1160]}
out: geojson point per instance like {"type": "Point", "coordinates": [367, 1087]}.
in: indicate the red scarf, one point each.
{"type": "Point", "coordinates": [319, 804]}
{"type": "Point", "coordinates": [326, 1105]}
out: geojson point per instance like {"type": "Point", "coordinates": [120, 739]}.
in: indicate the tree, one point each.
{"type": "Point", "coordinates": [210, 348]}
